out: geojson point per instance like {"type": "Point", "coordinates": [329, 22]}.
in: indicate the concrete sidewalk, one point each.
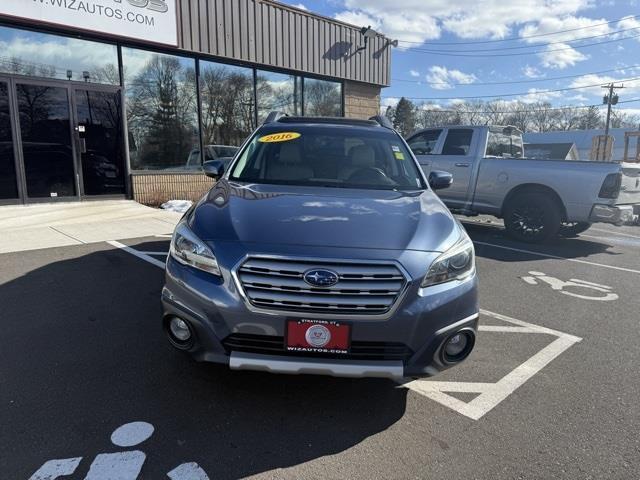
{"type": "Point", "coordinates": [32, 227]}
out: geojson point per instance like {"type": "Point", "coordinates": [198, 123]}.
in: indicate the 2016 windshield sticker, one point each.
{"type": "Point", "coordinates": [399, 155]}
{"type": "Point", "coordinates": [279, 137]}
{"type": "Point", "coordinates": [395, 148]}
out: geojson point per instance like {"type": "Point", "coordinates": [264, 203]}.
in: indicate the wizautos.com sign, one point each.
{"type": "Point", "coordinates": [151, 20]}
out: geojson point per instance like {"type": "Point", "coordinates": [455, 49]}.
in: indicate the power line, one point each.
{"type": "Point", "coordinates": [538, 92]}
{"type": "Point", "coordinates": [533, 110]}
{"type": "Point", "coordinates": [520, 47]}
{"type": "Point", "coordinates": [511, 39]}
{"type": "Point", "coordinates": [532, 80]}
{"type": "Point", "coordinates": [447, 53]}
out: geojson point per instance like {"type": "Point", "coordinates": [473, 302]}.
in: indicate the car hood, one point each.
{"type": "Point", "coordinates": [320, 216]}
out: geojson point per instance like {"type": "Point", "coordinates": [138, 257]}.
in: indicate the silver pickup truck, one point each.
{"type": "Point", "coordinates": [537, 199]}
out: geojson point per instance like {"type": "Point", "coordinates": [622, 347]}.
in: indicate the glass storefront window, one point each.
{"type": "Point", "coordinates": [162, 113]}
{"type": "Point", "coordinates": [278, 91]}
{"type": "Point", "coordinates": [47, 151]}
{"type": "Point", "coordinates": [322, 98]}
{"type": "Point", "coordinates": [8, 184]}
{"type": "Point", "coordinates": [227, 104]}
{"type": "Point", "coordinates": [43, 55]}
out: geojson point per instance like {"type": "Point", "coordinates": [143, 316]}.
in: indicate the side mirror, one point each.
{"type": "Point", "coordinates": [225, 162]}
{"type": "Point", "coordinates": [213, 168]}
{"type": "Point", "coordinates": [439, 180]}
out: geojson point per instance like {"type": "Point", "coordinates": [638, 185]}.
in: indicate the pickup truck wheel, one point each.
{"type": "Point", "coordinates": [532, 218]}
{"type": "Point", "coordinates": [572, 229]}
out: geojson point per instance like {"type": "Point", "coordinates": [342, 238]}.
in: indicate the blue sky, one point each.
{"type": "Point", "coordinates": [430, 24]}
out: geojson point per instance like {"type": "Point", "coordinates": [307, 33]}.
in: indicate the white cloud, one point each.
{"type": "Point", "coordinates": [403, 24]}
{"type": "Point", "coordinates": [388, 102]}
{"type": "Point", "coordinates": [418, 21]}
{"type": "Point", "coordinates": [628, 22]}
{"type": "Point", "coordinates": [576, 25]}
{"type": "Point", "coordinates": [587, 82]}
{"type": "Point", "coordinates": [301, 6]}
{"type": "Point", "coordinates": [560, 56]}
{"type": "Point", "coordinates": [539, 95]}
{"type": "Point", "coordinates": [441, 78]}
{"type": "Point", "coordinates": [531, 72]}
{"type": "Point", "coordinates": [414, 73]}
{"type": "Point", "coordinates": [578, 98]}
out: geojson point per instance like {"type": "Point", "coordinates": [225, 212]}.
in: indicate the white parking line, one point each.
{"type": "Point", "coordinates": [624, 241]}
{"type": "Point", "coordinates": [548, 255]}
{"type": "Point", "coordinates": [492, 394]}
{"type": "Point", "coordinates": [133, 251]}
{"type": "Point", "coordinates": [622, 234]}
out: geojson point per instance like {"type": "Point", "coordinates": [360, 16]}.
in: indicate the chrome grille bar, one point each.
{"type": "Point", "coordinates": [363, 288]}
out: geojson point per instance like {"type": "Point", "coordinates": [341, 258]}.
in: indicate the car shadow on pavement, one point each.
{"type": "Point", "coordinates": [483, 234]}
{"type": "Point", "coordinates": [83, 352]}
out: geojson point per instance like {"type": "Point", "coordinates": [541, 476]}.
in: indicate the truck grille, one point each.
{"type": "Point", "coordinates": [362, 288]}
{"type": "Point", "coordinates": [274, 345]}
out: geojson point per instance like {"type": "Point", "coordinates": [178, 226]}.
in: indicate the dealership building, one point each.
{"type": "Point", "coordinates": [125, 98]}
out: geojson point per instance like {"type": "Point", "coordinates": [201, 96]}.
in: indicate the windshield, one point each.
{"type": "Point", "coordinates": [329, 156]}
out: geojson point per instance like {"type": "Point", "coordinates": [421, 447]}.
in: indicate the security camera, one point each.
{"type": "Point", "coordinates": [368, 32]}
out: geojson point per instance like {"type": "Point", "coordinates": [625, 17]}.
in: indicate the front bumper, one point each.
{"type": "Point", "coordinates": [616, 214]}
{"type": "Point", "coordinates": [421, 322]}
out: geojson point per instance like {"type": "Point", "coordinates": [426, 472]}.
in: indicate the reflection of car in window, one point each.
{"type": "Point", "coordinates": [211, 152]}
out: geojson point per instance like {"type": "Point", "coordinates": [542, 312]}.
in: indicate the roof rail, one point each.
{"type": "Point", "coordinates": [330, 120]}
{"type": "Point", "coordinates": [274, 117]}
{"type": "Point", "coordinates": [383, 121]}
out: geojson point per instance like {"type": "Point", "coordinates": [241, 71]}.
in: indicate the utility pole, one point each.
{"type": "Point", "coordinates": [610, 99]}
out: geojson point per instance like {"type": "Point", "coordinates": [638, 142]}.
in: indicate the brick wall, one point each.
{"type": "Point", "coordinates": [361, 100]}
{"type": "Point", "coordinates": [156, 188]}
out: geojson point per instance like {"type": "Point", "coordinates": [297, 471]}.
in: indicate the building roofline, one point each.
{"type": "Point", "coordinates": [308, 13]}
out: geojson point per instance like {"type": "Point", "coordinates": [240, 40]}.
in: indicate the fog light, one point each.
{"type": "Point", "coordinates": [179, 329]}
{"type": "Point", "coordinates": [458, 346]}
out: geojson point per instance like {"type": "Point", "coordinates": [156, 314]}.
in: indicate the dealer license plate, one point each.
{"type": "Point", "coordinates": [318, 336]}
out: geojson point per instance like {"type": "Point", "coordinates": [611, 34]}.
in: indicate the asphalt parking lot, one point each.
{"type": "Point", "coordinates": [551, 390]}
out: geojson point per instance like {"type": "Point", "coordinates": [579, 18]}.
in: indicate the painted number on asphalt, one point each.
{"type": "Point", "coordinates": [574, 287]}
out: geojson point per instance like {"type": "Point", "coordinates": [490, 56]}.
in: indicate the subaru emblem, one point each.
{"type": "Point", "coordinates": [318, 277]}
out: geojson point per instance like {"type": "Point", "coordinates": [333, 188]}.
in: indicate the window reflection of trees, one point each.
{"type": "Point", "coordinates": [162, 112]}
{"type": "Point", "coordinates": [46, 140]}
{"type": "Point", "coordinates": [276, 91]}
{"type": "Point", "coordinates": [226, 95]}
{"type": "Point", "coordinates": [44, 114]}
{"type": "Point", "coordinates": [322, 98]}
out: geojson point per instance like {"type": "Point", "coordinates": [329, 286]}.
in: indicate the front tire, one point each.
{"type": "Point", "coordinates": [572, 229]}
{"type": "Point", "coordinates": [532, 218]}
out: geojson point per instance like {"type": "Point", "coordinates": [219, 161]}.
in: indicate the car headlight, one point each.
{"type": "Point", "coordinates": [457, 263]}
{"type": "Point", "coordinates": [188, 249]}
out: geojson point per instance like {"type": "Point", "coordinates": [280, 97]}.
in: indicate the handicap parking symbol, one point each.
{"type": "Point", "coordinates": [123, 465]}
{"type": "Point", "coordinates": [574, 287]}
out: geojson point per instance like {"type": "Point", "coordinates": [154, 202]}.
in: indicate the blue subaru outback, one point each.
{"type": "Point", "coordinates": [323, 250]}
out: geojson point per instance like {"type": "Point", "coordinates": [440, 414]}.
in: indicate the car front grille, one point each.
{"type": "Point", "coordinates": [362, 288]}
{"type": "Point", "coordinates": [274, 345]}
